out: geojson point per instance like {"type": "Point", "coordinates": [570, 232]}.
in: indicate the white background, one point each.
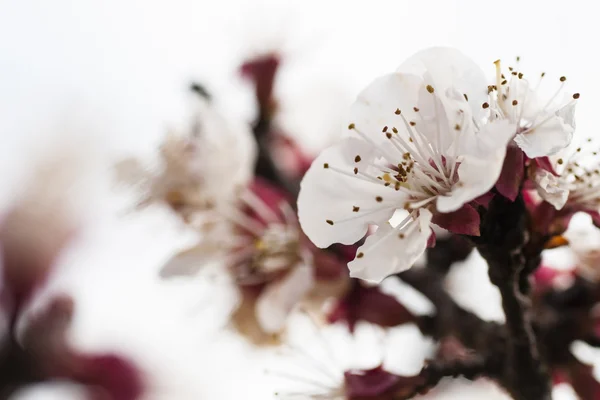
{"type": "Point", "coordinates": [110, 76]}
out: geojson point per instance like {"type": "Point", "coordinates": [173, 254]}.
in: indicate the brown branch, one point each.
{"type": "Point", "coordinates": [501, 244]}
{"type": "Point", "coordinates": [431, 375]}
{"type": "Point", "coordinates": [450, 318]}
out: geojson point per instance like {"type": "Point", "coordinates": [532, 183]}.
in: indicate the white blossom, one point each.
{"type": "Point", "coordinates": [545, 124]}
{"type": "Point", "coordinates": [261, 246]}
{"type": "Point", "coordinates": [416, 146]}
{"type": "Point", "coordinates": [198, 169]}
{"type": "Point", "coordinates": [577, 179]}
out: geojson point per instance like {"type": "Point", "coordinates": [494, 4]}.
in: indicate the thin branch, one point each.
{"type": "Point", "coordinates": [431, 375]}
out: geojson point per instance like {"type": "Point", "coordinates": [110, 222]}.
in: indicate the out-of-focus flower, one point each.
{"type": "Point", "coordinates": [34, 231]}
{"type": "Point", "coordinates": [324, 366]}
{"type": "Point", "coordinates": [200, 169]}
{"type": "Point", "coordinates": [331, 381]}
{"type": "Point", "coordinates": [417, 145]}
{"type": "Point", "coordinates": [106, 375]}
{"type": "Point", "coordinates": [271, 261]}
{"type": "Point", "coordinates": [547, 278]}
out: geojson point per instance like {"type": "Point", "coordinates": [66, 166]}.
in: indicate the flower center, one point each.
{"type": "Point", "coordinates": [416, 164]}
{"type": "Point", "coordinates": [277, 249]}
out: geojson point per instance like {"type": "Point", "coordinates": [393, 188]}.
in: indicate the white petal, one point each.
{"type": "Point", "coordinates": [567, 113]}
{"type": "Point", "coordinates": [189, 262]}
{"type": "Point", "coordinates": [480, 166]}
{"type": "Point", "coordinates": [375, 111]}
{"type": "Point", "coordinates": [279, 298]}
{"type": "Point", "coordinates": [546, 139]}
{"type": "Point", "coordinates": [327, 195]}
{"type": "Point", "coordinates": [226, 150]}
{"type": "Point", "coordinates": [375, 107]}
{"type": "Point", "coordinates": [488, 139]}
{"type": "Point", "coordinates": [445, 68]}
{"type": "Point", "coordinates": [437, 117]}
{"type": "Point", "coordinates": [385, 252]}
{"type": "Point", "coordinates": [528, 100]}
{"type": "Point", "coordinates": [551, 188]}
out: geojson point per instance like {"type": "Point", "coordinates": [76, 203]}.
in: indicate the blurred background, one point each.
{"type": "Point", "coordinates": [109, 78]}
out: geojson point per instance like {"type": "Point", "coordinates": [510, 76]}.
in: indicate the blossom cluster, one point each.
{"type": "Point", "coordinates": [432, 144]}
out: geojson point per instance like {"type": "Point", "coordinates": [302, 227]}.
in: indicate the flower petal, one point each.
{"type": "Point", "coordinates": [480, 167]}
{"type": "Point", "coordinates": [336, 205]}
{"type": "Point", "coordinates": [389, 251]}
{"type": "Point", "coordinates": [551, 188]}
{"type": "Point", "coordinates": [395, 101]}
{"type": "Point", "coordinates": [445, 68]}
{"type": "Point", "coordinates": [567, 113]}
{"type": "Point", "coordinates": [528, 102]}
{"type": "Point", "coordinates": [384, 103]}
{"type": "Point", "coordinates": [279, 298]}
{"type": "Point", "coordinates": [546, 139]}
{"type": "Point", "coordinates": [188, 262]}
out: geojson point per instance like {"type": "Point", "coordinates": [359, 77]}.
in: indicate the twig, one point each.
{"type": "Point", "coordinates": [431, 375]}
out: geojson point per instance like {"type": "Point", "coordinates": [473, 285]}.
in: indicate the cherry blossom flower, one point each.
{"type": "Point", "coordinates": [270, 260]}
{"type": "Point", "coordinates": [322, 363]}
{"type": "Point", "coordinates": [562, 187]}
{"type": "Point", "coordinates": [573, 181]}
{"type": "Point", "coordinates": [199, 169]}
{"type": "Point", "coordinates": [417, 147]}
{"type": "Point", "coordinates": [544, 125]}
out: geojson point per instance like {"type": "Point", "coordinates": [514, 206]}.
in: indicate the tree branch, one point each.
{"type": "Point", "coordinates": [503, 238]}
{"type": "Point", "coordinates": [431, 375]}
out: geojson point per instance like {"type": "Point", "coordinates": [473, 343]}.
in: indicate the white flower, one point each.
{"type": "Point", "coordinates": [577, 182]}
{"type": "Point", "coordinates": [413, 148]}
{"type": "Point", "coordinates": [268, 253]}
{"type": "Point", "coordinates": [545, 125]}
{"type": "Point", "coordinates": [199, 169]}
{"type": "Point", "coordinates": [264, 251]}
